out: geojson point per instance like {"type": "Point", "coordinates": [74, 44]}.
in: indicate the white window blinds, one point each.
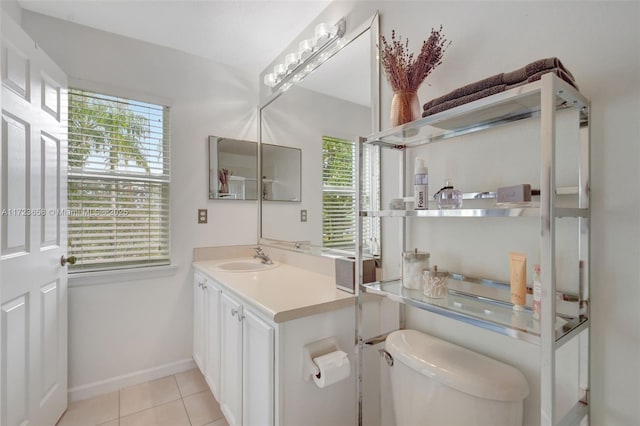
{"type": "Point", "coordinates": [118, 182]}
{"type": "Point", "coordinates": [339, 195]}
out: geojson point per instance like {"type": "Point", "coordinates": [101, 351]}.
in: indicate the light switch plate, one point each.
{"type": "Point", "coordinates": [202, 215]}
{"type": "Point", "coordinates": [303, 215]}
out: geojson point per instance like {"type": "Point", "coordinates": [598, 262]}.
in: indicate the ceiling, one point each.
{"type": "Point", "coordinates": [244, 34]}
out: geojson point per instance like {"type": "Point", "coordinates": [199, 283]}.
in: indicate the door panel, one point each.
{"type": "Point", "coordinates": [15, 72]}
{"type": "Point", "coordinates": [16, 166]}
{"type": "Point", "coordinates": [50, 337]}
{"type": "Point", "coordinates": [212, 329]}
{"type": "Point", "coordinates": [257, 372]}
{"type": "Point", "coordinates": [33, 295]}
{"type": "Point", "coordinates": [15, 359]}
{"type": "Point", "coordinates": [51, 97]}
{"type": "Point", "coordinates": [198, 321]}
{"type": "Point", "coordinates": [50, 200]}
{"type": "Point", "coordinates": [231, 361]}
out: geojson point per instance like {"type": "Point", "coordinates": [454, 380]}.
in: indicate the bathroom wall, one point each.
{"type": "Point", "coordinates": [148, 322]}
{"type": "Point", "coordinates": [600, 43]}
{"type": "Point", "coordinates": [126, 329]}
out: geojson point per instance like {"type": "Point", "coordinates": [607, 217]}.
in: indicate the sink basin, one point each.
{"type": "Point", "coordinates": [244, 265]}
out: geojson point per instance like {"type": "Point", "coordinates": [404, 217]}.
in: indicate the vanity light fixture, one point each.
{"type": "Point", "coordinates": [311, 53]}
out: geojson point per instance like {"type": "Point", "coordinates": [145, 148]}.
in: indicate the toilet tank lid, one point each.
{"type": "Point", "coordinates": [457, 367]}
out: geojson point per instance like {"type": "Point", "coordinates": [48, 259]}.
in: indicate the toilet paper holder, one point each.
{"type": "Point", "coordinates": [314, 350]}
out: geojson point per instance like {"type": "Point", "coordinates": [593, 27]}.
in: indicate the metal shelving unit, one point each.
{"type": "Point", "coordinates": [543, 99]}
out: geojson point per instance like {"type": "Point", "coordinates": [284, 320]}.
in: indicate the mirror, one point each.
{"type": "Point", "coordinates": [281, 173]}
{"type": "Point", "coordinates": [335, 104]}
{"type": "Point", "coordinates": [233, 169]}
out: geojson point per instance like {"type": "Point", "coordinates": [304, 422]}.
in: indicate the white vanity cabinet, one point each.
{"type": "Point", "coordinates": [252, 357]}
{"type": "Point", "coordinates": [257, 370]}
{"type": "Point", "coordinates": [213, 303]}
{"type": "Point", "coordinates": [199, 309]}
{"type": "Point", "coordinates": [231, 360]}
{"type": "Point", "coordinates": [247, 362]}
{"type": "Point", "coordinates": [206, 330]}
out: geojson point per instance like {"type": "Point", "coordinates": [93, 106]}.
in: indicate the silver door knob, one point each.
{"type": "Point", "coordinates": [64, 260]}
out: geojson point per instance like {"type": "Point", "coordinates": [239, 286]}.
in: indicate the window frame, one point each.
{"type": "Point", "coordinates": [162, 180]}
{"type": "Point", "coordinates": [370, 196]}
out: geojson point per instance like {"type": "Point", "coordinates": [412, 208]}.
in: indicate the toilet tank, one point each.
{"type": "Point", "coordinates": [437, 383]}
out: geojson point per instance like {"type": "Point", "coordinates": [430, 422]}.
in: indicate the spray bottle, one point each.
{"type": "Point", "coordinates": [421, 185]}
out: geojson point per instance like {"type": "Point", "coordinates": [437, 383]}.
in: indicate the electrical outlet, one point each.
{"type": "Point", "coordinates": [303, 215]}
{"type": "Point", "coordinates": [202, 215]}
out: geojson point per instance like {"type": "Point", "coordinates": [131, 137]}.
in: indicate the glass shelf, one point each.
{"type": "Point", "coordinates": [490, 314]}
{"type": "Point", "coordinates": [511, 105]}
{"type": "Point", "coordinates": [492, 212]}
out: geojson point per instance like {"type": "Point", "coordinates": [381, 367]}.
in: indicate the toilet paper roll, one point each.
{"type": "Point", "coordinates": [333, 367]}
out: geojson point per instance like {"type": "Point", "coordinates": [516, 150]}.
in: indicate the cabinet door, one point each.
{"type": "Point", "coordinates": [231, 360]}
{"type": "Point", "coordinates": [212, 331]}
{"type": "Point", "coordinates": [199, 308]}
{"type": "Point", "coordinates": [257, 371]}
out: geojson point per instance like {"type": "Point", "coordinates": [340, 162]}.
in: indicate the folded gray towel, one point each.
{"type": "Point", "coordinates": [557, 71]}
{"type": "Point", "coordinates": [522, 74]}
{"type": "Point", "coordinates": [465, 99]}
{"type": "Point", "coordinates": [452, 103]}
{"type": "Point", "coordinates": [478, 86]}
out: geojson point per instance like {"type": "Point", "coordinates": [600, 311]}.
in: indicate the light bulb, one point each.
{"type": "Point", "coordinates": [305, 47]}
{"type": "Point", "coordinates": [322, 32]}
{"type": "Point", "coordinates": [279, 70]}
{"type": "Point", "coordinates": [291, 61]}
{"type": "Point", "coordinates": [270, 80]}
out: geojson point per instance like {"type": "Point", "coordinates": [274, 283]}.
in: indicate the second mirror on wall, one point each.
{"type": "Point", "coordinates": [233, 171]}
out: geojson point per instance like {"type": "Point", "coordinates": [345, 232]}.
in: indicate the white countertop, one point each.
{"type": "Point", "coordinates": [283, 293]}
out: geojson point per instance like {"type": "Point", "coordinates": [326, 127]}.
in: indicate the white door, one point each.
{"type": "Point", "coordinates": [257, 371]}
{"type": "Point", "coordinates": [231, 361]}
{"type": "Point", "coordinates": [199, 309]}
{"type": "Point", "coordinates": [33, 295]}
{"type": "Point", "coordinates": [212, 330]}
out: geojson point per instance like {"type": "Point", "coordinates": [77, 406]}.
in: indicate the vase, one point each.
{"type": "Point", "coordinates": [405, 107]}
{"type": "Point", "coordinates": [224, 188]}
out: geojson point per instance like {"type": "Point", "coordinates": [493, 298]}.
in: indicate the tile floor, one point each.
{"type": "Point", "coordinates": [183, 399]}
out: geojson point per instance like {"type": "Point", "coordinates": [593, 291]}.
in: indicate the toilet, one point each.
{"type": "Point", "coordinates": [437, 383]}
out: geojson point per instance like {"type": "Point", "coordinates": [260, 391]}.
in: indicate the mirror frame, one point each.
{"type": "Point", "coordinates": [372, 23]}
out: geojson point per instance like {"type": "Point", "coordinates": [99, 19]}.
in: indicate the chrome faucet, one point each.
{"type": "Point", "coordinates": [260, 254]}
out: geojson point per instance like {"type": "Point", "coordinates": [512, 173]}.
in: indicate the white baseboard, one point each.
{"type": "Point", "coordinates": [113, 384]}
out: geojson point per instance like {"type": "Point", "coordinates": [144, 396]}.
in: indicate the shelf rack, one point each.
{"type": "Point", "coordinates": [543, 99]}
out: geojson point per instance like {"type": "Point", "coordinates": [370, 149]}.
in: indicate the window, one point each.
{"type": "Point", "coordinates": [339, 195]}
{"type": "Point", "coordinates": [118, 182]}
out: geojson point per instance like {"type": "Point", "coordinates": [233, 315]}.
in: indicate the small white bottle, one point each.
{"type": "Point", "coordinates": [421, 184]}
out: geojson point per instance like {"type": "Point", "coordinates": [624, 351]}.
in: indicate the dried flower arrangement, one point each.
{"type": "Point", "coordinates": [404, 73]}
{"type": "Point", "coordinates": [223, 177]}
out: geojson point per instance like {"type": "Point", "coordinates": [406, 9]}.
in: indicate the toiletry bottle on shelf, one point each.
{"type": "Point", "coordinates": [448, 197]}
{"type": "Point", "coordinates": [518, 275]}
{"type": "Point", "coordinates": [421, 184]}
{"type": "Point", "coordinates": [537, 292]}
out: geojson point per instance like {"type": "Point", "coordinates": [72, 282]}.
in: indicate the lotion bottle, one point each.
{"type": "Point", "coordinates": [421, 184]}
